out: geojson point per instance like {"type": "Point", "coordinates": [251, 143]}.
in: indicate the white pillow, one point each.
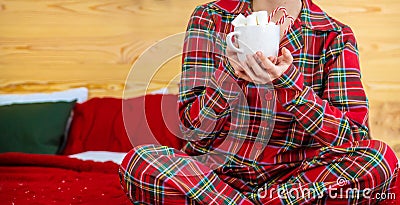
{"type": "Point", "coordinates": [79, 94]}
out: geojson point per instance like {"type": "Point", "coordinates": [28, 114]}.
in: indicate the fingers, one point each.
{"type": "Point", "coordinates": [258, 68]}
{"type": "Point", "coordinates": [243, 75]}
{"type": "Point", "coordinates": [273, 59]}
{"type": "Point", "coordinates": [247, 73]}
{"type": "Point", "coordinates": [254, 64]}
{"type": "Point", "coordinates": [260, 74]}
{"type": "Point", "coordinates": [237, 66]}
{"type": "Point", "coordinates": [265, 62]}
{"type": "Point", "coordinates": [278, 61]}
{"type": "Point", "coordinates": [248, 70]}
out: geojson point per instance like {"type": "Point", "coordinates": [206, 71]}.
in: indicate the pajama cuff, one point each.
{"type": "Point", "coordinates": [289, 85]}
{"type": "Point", "coordinates": [291, 79]}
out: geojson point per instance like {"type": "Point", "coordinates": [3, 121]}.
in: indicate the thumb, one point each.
{"type": "Point", "coordinates": [287, 56]}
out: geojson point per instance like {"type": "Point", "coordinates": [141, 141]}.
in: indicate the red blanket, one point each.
{"type": "Point", "coordinates": [48, 179]}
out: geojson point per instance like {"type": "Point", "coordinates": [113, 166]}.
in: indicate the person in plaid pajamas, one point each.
{"type": "Point", "coordinates": [275, 130]}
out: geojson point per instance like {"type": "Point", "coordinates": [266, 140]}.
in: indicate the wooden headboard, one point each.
{"type": "Point", "coordinates": [55, 45]}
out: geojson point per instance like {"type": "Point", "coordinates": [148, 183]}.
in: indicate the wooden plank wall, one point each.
{"type": "Point", "coordinates": [50, 45]}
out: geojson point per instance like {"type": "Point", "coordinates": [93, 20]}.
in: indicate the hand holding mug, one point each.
{"type": "Point", "coordinates": [258, 68]}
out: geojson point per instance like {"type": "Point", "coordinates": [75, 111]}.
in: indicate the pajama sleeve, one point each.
{"type": "Point", "coordinates": [202, 108]}
{"type": "Point", "coordinates": [340, 113]}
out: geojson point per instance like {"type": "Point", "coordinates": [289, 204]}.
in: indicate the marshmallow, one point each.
{"type": "Point", "coordinates": [251, 20]}
{"type": "Point", "coordinates": [262, 17]}
{"type": "Point", "coordinates": [240, 20]}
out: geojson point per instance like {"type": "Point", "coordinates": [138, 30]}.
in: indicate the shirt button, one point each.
{"type": "Point", "coordinates": [264, 124]}
{"type": "Point", "coordinates": [268, 95]}
{"type": "Point", "coordinates": [258, 145]}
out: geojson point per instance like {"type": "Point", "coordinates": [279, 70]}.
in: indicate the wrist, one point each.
{"type": "Point", "coordinates": [292, 78]}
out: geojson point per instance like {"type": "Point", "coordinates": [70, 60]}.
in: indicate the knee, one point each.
{"type": "Point", "coordinates": [139, 159]}
{"type": "Point", "coordinates": [380, 150]}
{"type": "Point", "coordinates": [132, 162]}
{"type": "Point", "coordinates": [134, 165]}
{"type": "Point", "coordinates": [128, 163]}
{"type": "Point", "coordinates": [137, 155]}
{"type": "Point", "coordinates": [128, 159]}
{"type": "Point", "coordinates": [383, 158]}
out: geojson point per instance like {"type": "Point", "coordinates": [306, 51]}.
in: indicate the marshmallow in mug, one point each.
{"type": "Point", "coordinates": [240, 20]}
{"type": "Point", "coordinates": [256, 18]}
{"type": "Point", "coordinates": [262, 17]}
{"type": "Point", "coordinates": [251, 20]}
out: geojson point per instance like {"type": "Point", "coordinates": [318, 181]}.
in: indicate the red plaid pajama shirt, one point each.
{"type": "Point", "coordinates": [303, 139]}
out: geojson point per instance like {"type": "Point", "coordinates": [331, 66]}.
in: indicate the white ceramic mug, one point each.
{"type": "Point", "coordinates": [264, 38]}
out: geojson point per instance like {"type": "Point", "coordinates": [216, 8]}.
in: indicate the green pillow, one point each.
{"type": "Point", "coordinates": [34, 127]}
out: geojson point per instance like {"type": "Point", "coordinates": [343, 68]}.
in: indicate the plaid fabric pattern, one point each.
{"type": "Point", "coordinates": [318, 132]}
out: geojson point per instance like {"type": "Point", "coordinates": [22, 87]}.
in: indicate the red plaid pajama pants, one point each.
{"type": "Point", "coordinates": [155, 174]}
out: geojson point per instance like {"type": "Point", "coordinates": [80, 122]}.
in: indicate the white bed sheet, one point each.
{"type": "Point", "coordinates": [100, 156]}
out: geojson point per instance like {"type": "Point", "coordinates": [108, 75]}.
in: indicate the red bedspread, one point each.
{"type": "Point", "coordinates": [49, 179]}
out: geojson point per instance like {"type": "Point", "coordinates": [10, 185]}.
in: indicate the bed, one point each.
{"type": "Point", "coordinates": [85, 169]}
